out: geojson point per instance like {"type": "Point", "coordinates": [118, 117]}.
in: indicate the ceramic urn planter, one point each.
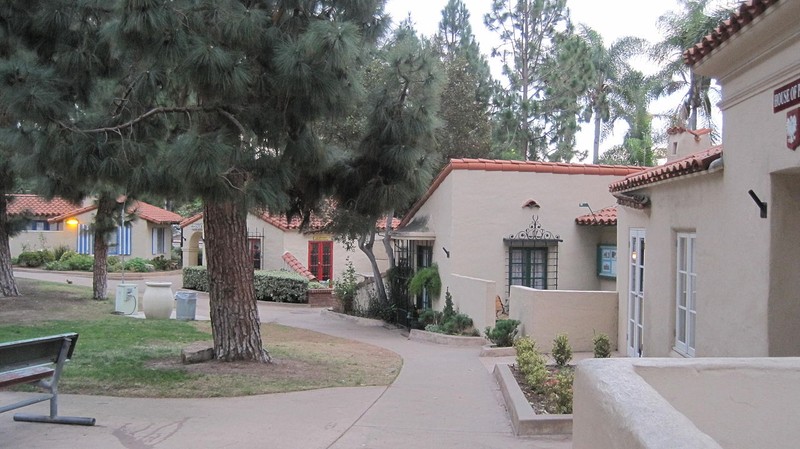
{"type": "Point", "coordinates": [157, 302]}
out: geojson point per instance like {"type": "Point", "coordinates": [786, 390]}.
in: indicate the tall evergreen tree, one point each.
{"type": "Point", "coordinates": [466, 129]}
{"type": "Point", "coordinates": [682, 29]}
{"type": "Point", "coordinates": [528, 115]}
{"type": "Point", "coordinates": [223, 97]}
{"type": "Point", "coordinates": [393, 163]}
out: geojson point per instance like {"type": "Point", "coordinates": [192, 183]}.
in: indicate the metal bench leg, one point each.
{"type": "Point", "coordinates": [52, 387]}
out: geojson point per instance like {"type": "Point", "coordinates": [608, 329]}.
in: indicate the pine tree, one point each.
{"type": "Point", "coordinates": [534, 118]}
{"type": "Point", "coordinates": [221, 97]}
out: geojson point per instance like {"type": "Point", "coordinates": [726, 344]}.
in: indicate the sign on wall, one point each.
{"type": "Point", "coordinates": [786, 96]}
{"type": "Point", "coordinates": [793, 129]}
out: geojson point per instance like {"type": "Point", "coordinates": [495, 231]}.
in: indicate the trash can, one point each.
{"type": "Point", "coordinates": [185, 305]}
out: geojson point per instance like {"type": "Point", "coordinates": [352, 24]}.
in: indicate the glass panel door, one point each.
{"type": "Point", "coordinates": [635, 328]}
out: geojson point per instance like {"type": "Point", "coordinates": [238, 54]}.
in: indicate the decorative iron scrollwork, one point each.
{"type": "Point", "coordinates": [534, 231]}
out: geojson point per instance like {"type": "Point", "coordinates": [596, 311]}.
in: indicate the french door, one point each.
{"type": "Point", "coordinates": [635, 331]}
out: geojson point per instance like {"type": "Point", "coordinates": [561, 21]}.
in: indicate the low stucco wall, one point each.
{"type": "Point", "coordinates": [475, 297]}
{"type": "Point", "coordinates": [36, 240]}
{"type": "Point", "coordinates": [698, 403]}
{"type": "Point", "coordinates": [579, 314]}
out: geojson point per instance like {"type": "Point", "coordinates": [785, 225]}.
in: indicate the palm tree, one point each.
{"type": "Point", "coordinates": [612, 91]}
{"type": "Point", "coordinates": [682, 29]}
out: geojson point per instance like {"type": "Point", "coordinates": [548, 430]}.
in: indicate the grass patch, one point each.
{"type": "Point", "coordinates": [123, 356]}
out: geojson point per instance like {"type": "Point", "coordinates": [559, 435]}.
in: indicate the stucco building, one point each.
{"type": "Point", "coordinates": [709, 287]}
{"type": "Point", "coordinates": [491, 224]}
{"type": "Point", "coordinates": [58, 222]}
{"type": "Point", "coordinates": [276, 243]}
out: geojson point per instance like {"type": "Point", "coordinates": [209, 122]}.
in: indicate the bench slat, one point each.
{"type": "Point", "coordinates": [25, 375]}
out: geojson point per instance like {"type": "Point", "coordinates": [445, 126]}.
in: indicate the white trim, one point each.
{"type": "Point", "coordinates": [685, 294]}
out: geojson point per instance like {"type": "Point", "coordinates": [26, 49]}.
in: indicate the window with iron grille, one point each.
{"type": "Point", "coordinates": [320, 260]}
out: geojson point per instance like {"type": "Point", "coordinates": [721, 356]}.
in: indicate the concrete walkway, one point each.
{"type": "Point", "coordinates": [444, 397]}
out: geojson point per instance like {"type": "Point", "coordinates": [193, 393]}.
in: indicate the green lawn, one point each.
{"type": "Point", "coordinates": [124, 356]}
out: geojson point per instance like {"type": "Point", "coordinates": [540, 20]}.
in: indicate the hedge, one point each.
{"type": "Point", "coordinates": [278, 286]}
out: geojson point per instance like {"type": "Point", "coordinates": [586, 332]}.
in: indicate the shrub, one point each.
{"type": "Point", "coordinates": [78, 262]}
{"type": "Point", "coordinates": [33, 259]}
{"type": "Point", "coordinates": [195, 278]}
{"type": "Point", "coordinates": [531, 363]}
{"type": "Point", "coordinates": [558, 392]}
{"type": "Point", "coordinates": [448, 310]}
{"type": "Point", "coordinates": [602, 346]}
{"type": "Point", "coordinates": [59, 251]}
{"type": "Point", "coordinates": [346, 287]}
{"type": "Point", "coordinates": [430, 316]}
{"type": "Point", "coordinates": [280, 286]}
{"type": "Point", "coordinates": [426, 279]}
{"type": "Point", "coordinates": [562, 351]}
{"type": "Point", "coordinates": [503, 333]}
{"type": "Point", "coordinates": [138, 265]}
{"type": "Point", "coordinates": [457, 324]}
{"type": "Point", "coordinates": [434, 328]}
{"type": "Point", "coordinates": [160, 263]}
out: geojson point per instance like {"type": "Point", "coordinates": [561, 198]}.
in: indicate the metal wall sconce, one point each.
{"type": "Point", "coordinates": [762, 206]}
{"type": "Point", "coordinates": [446, 252]}
{"type": "Point", "coordinates": [586, 205]}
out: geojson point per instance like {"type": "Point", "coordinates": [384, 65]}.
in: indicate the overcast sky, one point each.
{"type": "Point", "coordinates": [611, 18]}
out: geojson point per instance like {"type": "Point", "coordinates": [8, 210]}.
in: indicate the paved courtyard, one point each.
{"type": "Point", "coordinates": [444, 397]}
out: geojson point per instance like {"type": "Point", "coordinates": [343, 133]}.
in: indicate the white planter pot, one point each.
{"type": "Point", "coordinates": [157, 302]}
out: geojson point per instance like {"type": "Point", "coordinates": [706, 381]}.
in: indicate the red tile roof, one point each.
{"type": "Point", "coordinates": [38, 206]}
{"type": "Point", "coordinates": [603, 217]}
{"type": "Point", "coordinates": [280, 222]}
{"type": "Point", "coordinates": [693, 163]}
{"type": "Point", "coordinates": [746, 13]}
{"type": "Point", "coordinates": [519, 166]}
{"type": "Point", "coordinates": [191, 220]}
{"type": "Point", "coordinates": [143, 210]}
{"type": "Point", "coordinates": [297, 267]}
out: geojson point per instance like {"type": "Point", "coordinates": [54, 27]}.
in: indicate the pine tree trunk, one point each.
{"type": "Point", "coordinates": [8, 284]}
{"type": "Point", "coordinates": [234, 314]}
{"type": "Point", "coordinates": [105, 209]}
{"type": "Point", "coordinates": [387, 239]}
{"type": "Point", "coordinates": [365, 244]}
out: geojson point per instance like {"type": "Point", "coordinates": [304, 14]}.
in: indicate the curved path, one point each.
{"type": "Point", "coordinates": [444, 397]}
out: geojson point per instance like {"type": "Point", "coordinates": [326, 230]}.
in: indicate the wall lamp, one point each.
{"type": "Point", "coordinates": [72, 221]}
{"type": "Point", "coordinates": [762, 206]}
{"type": "Point", "coordinates": [586, 205]}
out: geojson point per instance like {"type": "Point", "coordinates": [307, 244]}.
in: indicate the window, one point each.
{"type": "Point", "coordinates": [119, 242]}
{"type": "Point", "coordinates": [607, 261]}
{"type": "Point", "coordinates": [686, 315]}
{"type": "Point", "coordinates": [320, 259]}
{"type": "Point", "coordinates": [39, 225]}
{"type": "Point", "coordinates": [528, 267]}
{"type": "Point", "coordinates": [159, 235]}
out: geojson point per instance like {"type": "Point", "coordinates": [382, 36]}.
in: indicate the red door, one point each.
{"type": "Point", "coordinates": [320, 260]}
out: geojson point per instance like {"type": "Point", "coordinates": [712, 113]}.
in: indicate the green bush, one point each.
{"type": "Point", "coordinates": [59, 251]}
{"type": "Point", "coordinates": [602, 346]}
{"type": "Point", "coordinates": [160, 263]}
{"type": "Point", "coordinates": [430, 316]}
{"type": "Point", "coordinates": [346, 287]}
{"type": "Point", "coordinates": [114, 263]}
{"type": "Point", "coordinates": [503, 333]}
{"type": "Point", "coordinates": [426, 279]}
{"type": "Point", "coordinates": [562, 351]}
{"type": "Point", "coordinates": [33, 259]}
{"type": "Point", "coordinates": [458, 324]}
{"type": "Point", "coordinates": [531, 363]}
{"type": "Point", "coordinates": [72, 261]}
{"type": "Point", "coordinates": [558, 392]}
{"type": "Point", "coordinates": [195, 278]}
{"type": "Point", "coordinates": [281, 286]}
{"type": "Point", "coordinates": [138, 265]}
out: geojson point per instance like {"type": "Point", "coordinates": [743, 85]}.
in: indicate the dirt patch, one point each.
{"type": "Point", "coordinates": [537, 401]}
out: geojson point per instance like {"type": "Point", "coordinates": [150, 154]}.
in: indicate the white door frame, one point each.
{"type": "Point", "coordinates": [635, 326]}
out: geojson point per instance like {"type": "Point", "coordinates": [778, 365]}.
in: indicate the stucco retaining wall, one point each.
{"type": "Point", "coordinates": [698, 403]}
{"type": "Point", "coordinates": [475, 297]}
{"type": "Point", "coordinates": [580, 314]}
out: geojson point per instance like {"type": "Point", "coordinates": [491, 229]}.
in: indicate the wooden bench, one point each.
{"type": "Point", "coordinates": [38, 361]}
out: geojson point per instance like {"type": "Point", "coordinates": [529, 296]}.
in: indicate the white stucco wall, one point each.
{"type": "Point", "coordinates": [668, 403]}
{"type": "Point", "coordinates": [474, 297]}
{"type": "Point", "coordinates": [36, 240]}
{"type": "Point", "coordinates": [747, 301]}
{"type": "Point", "coordinates": [579, 314]}
{"type": "Point", "coordinates": [471, 212]}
